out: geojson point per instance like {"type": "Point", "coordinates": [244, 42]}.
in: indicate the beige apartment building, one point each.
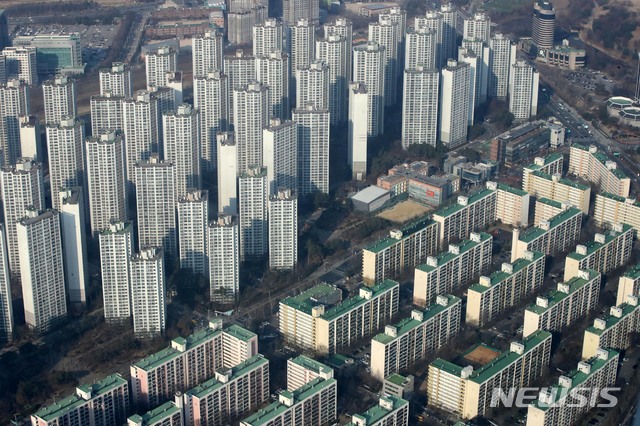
{"type": "Point", "coordinates": [596, 167]}
{"type": "Point", "coordinates": [545, 209]}
{"type": "Point", "coordinates": [555, 187]}
{"type": "Point", "coordinates": [390, 411]}
{"type": "Point", "coordinates": [614, 330]}
{"type": "Point", "coordinates": [551, 164]}
{"type": "Point", "coordinates": [629, 284]}
{"type": "Point", "coordinates": [302, 369]}
{"type": "Point", "coordinates": [610, 209]}
{"type": "Point", "coordinates": [512, 205]}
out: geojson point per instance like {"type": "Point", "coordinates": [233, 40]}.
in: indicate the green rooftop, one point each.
{"type": "Point", "coordinates": [552, 203]}
{"type": "Point", "coordinates": [633, 273]}
{"type": "Point", "coordinates": [337, 360]}
{"type": "Point", "coordinates": [603, 159]}
{"type": "Point", "coordinates": [577, 378]}
{"type": "Point", "coordinates": [612, 320]}
{"type": "Point", "coordinates": [239, 332]}
{"type": "Point", "coordinates": [156, 415]}
{"type": "Point", "coordinates": [311, 364]}
{"type": "Point", "coordinates": [551, 158]}
{"type": "Point", "coordinates": [447, 256]}
{"type": "Point", "coordinates": [617, 198]}
{"type": "Point", "coordinates": [377, 413]}
{"type": "Point", "coordinates": [396, 379]}
{"type": "Point", "coordinates": [305, 301]}
{"type": "Point", "coordinates": [408, 324]}
{"type": "Point", "coordinates": [512, 190]}
{"type": "Point", "coordinates": [454, 208]}
{"type": "Point", "coordinates": [593, 246]}
{"type": "Point", "coordinates": [446, 366]}
{"type": "Point", "coordinates": [268, 413]}
{"type": "Point", "coordinates": [239, 370]}
{"type": "Point", "coordinates": [563, 181]}
{"type": "Point", "coordinates": [406, 230]}
{"type": "Point", "coordinates": [73, 402]}
{"type": "Point", "coordinates": [534, 233]}
{"type": "Point", "coordinates": [500, 276]}
{"type": "Point", "coordinates": [352, 303]}
{"type": "Point", "coordinates": [554, 297]}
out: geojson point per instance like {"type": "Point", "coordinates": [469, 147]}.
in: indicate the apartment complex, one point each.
{"type": "Point", "coordinates": [231, 393]}
{"type": "Point", "coordinates": [189, 361]}
{"type": "Point", "coordinates": [454, 269]}
{"type": "Point", "coordinates": [549, 237]}
{"type": "Point", "coordinates": [116, 248]}
{"type": "Point", "coordinates": [554, 187]}
{"type": "Point", "coordinates": [629, 284]}
{"type": "Point", "coordinates": [313, 404]}
{"type": "Point", "coordinates": [390, 411]}
{"type": "Point", "coordinates": [319, 319]}
{"type": "Point", "coordinates": [168, 414]}
{"type": "Point", "coordinates": [613, 330]}
{"type": "Point", "coordinates": [302, 369]}
{"type": "Point", "coordinates": [596, 167]}
{"type": "Point", "coordinates": [553, 407]}
{"type": "Point", "coordinates": [467, 392]}
{"type": "Point", "coordinates": [404, 248]}
{"type": "Point", "coordinates": [105, 402]}
{"type": "Point", "coordinates": [610, 209]}
{"type": "Point", "coordinates": [545, 209]}
{"type": "Point", "coordinates": [604, 253]}
{"type": "Point", "coordinates": [404, 343]}
{"type": "Point", "coordinates": [560, 308]}
{"type": "Point", "coordinates": [551, 164]}
{"type": "Point", "coordinates": [512, 205]}
{"type": "Point", "coordinates": [505, 288]}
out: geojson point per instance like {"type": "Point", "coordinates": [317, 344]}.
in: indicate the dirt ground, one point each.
{"type": "Point", "coordinates": [404, 211]}
{"type": "Point", "coordinates": [481, 355]}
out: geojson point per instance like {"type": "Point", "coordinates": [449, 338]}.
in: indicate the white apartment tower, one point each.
{"type": "Point", "coordinates": [313, 149]}
{"type": "Point", "coordinates": [283, 230]}
{"type": "Point", "coordinates": [156, 205]}
{"type": "Point", "coordinates": [294, 10]}
{"type": "Point", "coordinates": [193, 217]}
{"type": "Point", "coordinates": [116, 248]}
{"type": "Point", "coordinates": [106, 112]}
{"type": "Point", "coordinates": [369, 68]}
{"type": "Point", "coordinates": [65, 144]}
{"type": "Point", "coordinates": [272, 70]}
{"type": "Point", "coordinates": [207, 53]}
{"type": "Point", "coordinates": [481, 51]}
{"type": "Point", "coordinates": [211, 98]}
{"type": "Point", "coordinates": [267, 37]}
{"type": "Point", "coordinates": [148, 292]}
{"type": "Point", "coordinates": [106, 182]}
{"type": "Point", "coordinates": [41, 269]}
{"type": "Point", "coordinates": [227, 173]}
{"type": "Point", "coordinates": [21, 64]}
{"type": "Point", "coordinates": [467, 56]}
{"type": "Point", "coordinates": [6, 309]}
{"type": "Point", "coordinates": [420, 106]}
{"type": "Point", "coordinates": [302, 45]}
{"type": "Point", "coordinates": [388, 34]}
{"type": "Point", "coordinates": [74, 244]}
{"type": "Point", "coordinates": [116, 80]}
{"type": "Point", "coordinates": [157, 63]}
{"type": "Point", "coordinates": [223, 253]}
{"type": "Point", "coordinates": [251, 115]}
{"type": "Point", "coordinates": [449, 14]}
{"type": "Point", "coordinates": [477, 27]}
{"type": "Point", "coordinates": [280, 155]}
{"type": "Point", "coordinates": [454, 103]}
{"type": "Point", "coordinates": [421, 48]}
{"type": "Point", "coordinates": [523, 91]}
{"type": "Point", "coordinates": [502, 56]}
{"type": "Point", "coordinates": [30, 139]}
{"type": "Point", "coordinates": [252, 186]}
{"type": "Point", "coordinates": [181, 146]}
{"type": "Point", "coordinates": [240, 70]}
{"type": "Point", "coordinates": [14, 102]}
{"type": "Point", "coordinates": [358, 133]}
{"type": "Point", "coordinates": [313, 84]}
{"type": "Point", "coordinates": [335, 51]}
{"type": "Point", "coordinates": [432, 20]}
{"type": "Point", "coordinates": [22, 186]}
{"type": "Point", "coordinates": [59, 98]}
{"type": "Point", "coordinates": [140, 117]}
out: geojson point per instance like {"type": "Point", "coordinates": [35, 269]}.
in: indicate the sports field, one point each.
{"type": "Point", "coordinates": [404, 211]}
{"type": "Point", "coordinates": [481, 355]}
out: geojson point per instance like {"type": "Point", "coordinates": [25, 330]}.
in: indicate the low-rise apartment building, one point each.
{"type": "Point", "coordinates": [302, 369]}
{"type": "Point", "coordinates": [560, 308]}
{"type": "Point", "coordinates": [390, 411]}
{"type": "Point", "coordinates": [503, 289]}
{"type": "Point", "coordinates": [596, 167]}
{"type": "Point", "coordinates": [614, 330]}
{"type": "Point", "coordinates": [410, 340]}
{"type": "Point", "coordinates": [629, 284]}
{"type": "Point", "coordinates": [610, 209]}
{"type": "Point", "coordinates": [555, 187]}
{"type": "Point", "coordinates": [454, 269]}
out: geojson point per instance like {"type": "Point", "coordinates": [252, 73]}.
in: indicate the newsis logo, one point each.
{"type": "Point", "coordinates": [557, 397]}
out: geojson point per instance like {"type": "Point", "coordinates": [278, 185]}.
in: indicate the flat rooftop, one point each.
{"type": "Point", "coordinates": [554, 297]}
{"type": "Point", "coordinates": [447, 256]}
{"type": "Point", "coordinates": [454, 208]}
{"type": "Point", "coordinates": [534, 233]}
{"type": "Point", "coordinates": [593, 246]}
{"type": "Point", "coordinates": [377, 413]}
{"type": "Point", "coordinates": [612, 320]}
{"type": "Point", "coordinates": [407, 230]}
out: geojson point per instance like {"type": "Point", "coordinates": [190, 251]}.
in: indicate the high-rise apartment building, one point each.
{"type": "Point", "coordinates": [6, 305]}
{"type": "Point", "coordinates": [59, 94]}
{"type": "Point", "coordinates": [387, 33]}
{"type": "Point", "coordinates": [611, 209]}
{"type": "Point", "coordinates": [452, 270]}
{"type": "Point", "coordinates": [523, 91]}
{"type": "Point", "coordinates": [30, 137]}
{"type": "Point", "coordinates": [369, 67]}
{"type": "Point", "coordinates": [551, 164]}
{"type": "Point", "coordinates": [65, 146]}
{"type": "Point", "coordinates": [468, 56]}
{"type": "Point", "coordinates": [240, 22]}
{"type": "Point", "coordinates": [157, 63]}
{"type": "Point", "coordinates": [358, 136]}
{"type": "Point", "coordinates": [629, 284]}
{"type": "Point", "coordinates": [404, 248]}
{"type": "Point", "coordinates": [313, 149]}
{"type": "Point", "coordinates": [572, 300]}
{"type": "Point", "coordinates": [545, 209]}
{"type": "Point", "coordinates": [181, 146]}
{"type": "Point", "coordinates": [391, 410]}
{"type": "Point", "coordinates": [302, 47]}
{"type": "Point", "coordinates": [596, 167]}
{"type": "Point", "coordinates": [413, 338]}
{"type": "Point", "coordinates": [549, 237]}
{"type": "Point", "coordinates": [421, 49]}
{"type": "Point", "coordinates": [268, 36]}
{"type": "Point", "coordinates": [544, 23]}
{"type": "Point", "coordinates": [140, 120]}
{"type": "Point", "coordinates": [223, 253]}
{"type": "Point", "coordinates": [116, 248]}
{"type": "Point", "coordinates": [477, 27]}
{"type": "Point", "coordinates": [240, 70]}
{"type": "Point", "coordinates": [280, 155]}
{"type": "Point", "coordinates": [74, 244]}
{"type": "Point", "coordinates": [207, 53]}
{"type": "Point", "coordinates": [254, 231]}
{"type": "Point", "coordinates": [502, 56]}
{"type": "Point", "coordinates": [171, 413]}
{"type": "Point", "coordinates": [433, 21]}
{"type": "Point", "coordinates": [227, 173]}
{"type": "Point", "coordinates": [302, 369]}
{"type": "Point", "coordinates": [505, 288]}
{"type": "Point", "coordinates": [14, 102]}
{"type": "Point", "coordinates": [554, 187]}
{"type": "Point", "coordinates": [148, 304]}
{"type": "Point", "coordinates": [156, 205]}
{"type": "Point", "coordinates": [312, 82]}
{"type": "Point", "coordinates": [420, 106]}
{"type": "Point", "coordinates": [335, 51]}
{"type": "Point", "coordinates": [605, 253]}
{"type": "Point", "coordinates": [283, 229]}
{"type": "Point", "coordinates": [272, 70]}
{"type": "Point", "coordinates": [116, 80]}
{"type": "Point", "coordinates": [468, 393]}
{"type": "Point", "coordinates": [106, 113]}
{"type": "Point", "coordinates": [193, 217]}
{"type": "Point", "coordinates": [344, 28]}
{"type": "Point", "coordinates": [211, 99]}
{"type": "Point", "coordinates": [449, 14]}
{"type": "Point", "coordinates": [251, 115]}
{"type": "Point", "coordinates": [41, 269]}
{"type": "Point", "coordinates": [614, 330]}
{"type": "Point", "coordinates": [21, 64]}
{"type": "Point", "coordinates": [294, 10]}
{"type": "Point", "coordinates": [106, 184]}
{"type": "Point", "coordinates": [454, 103]}
{"type": "Point", "coordinates": [320, 320]}
{"type": "Point", "coordinates": [22, 186]}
